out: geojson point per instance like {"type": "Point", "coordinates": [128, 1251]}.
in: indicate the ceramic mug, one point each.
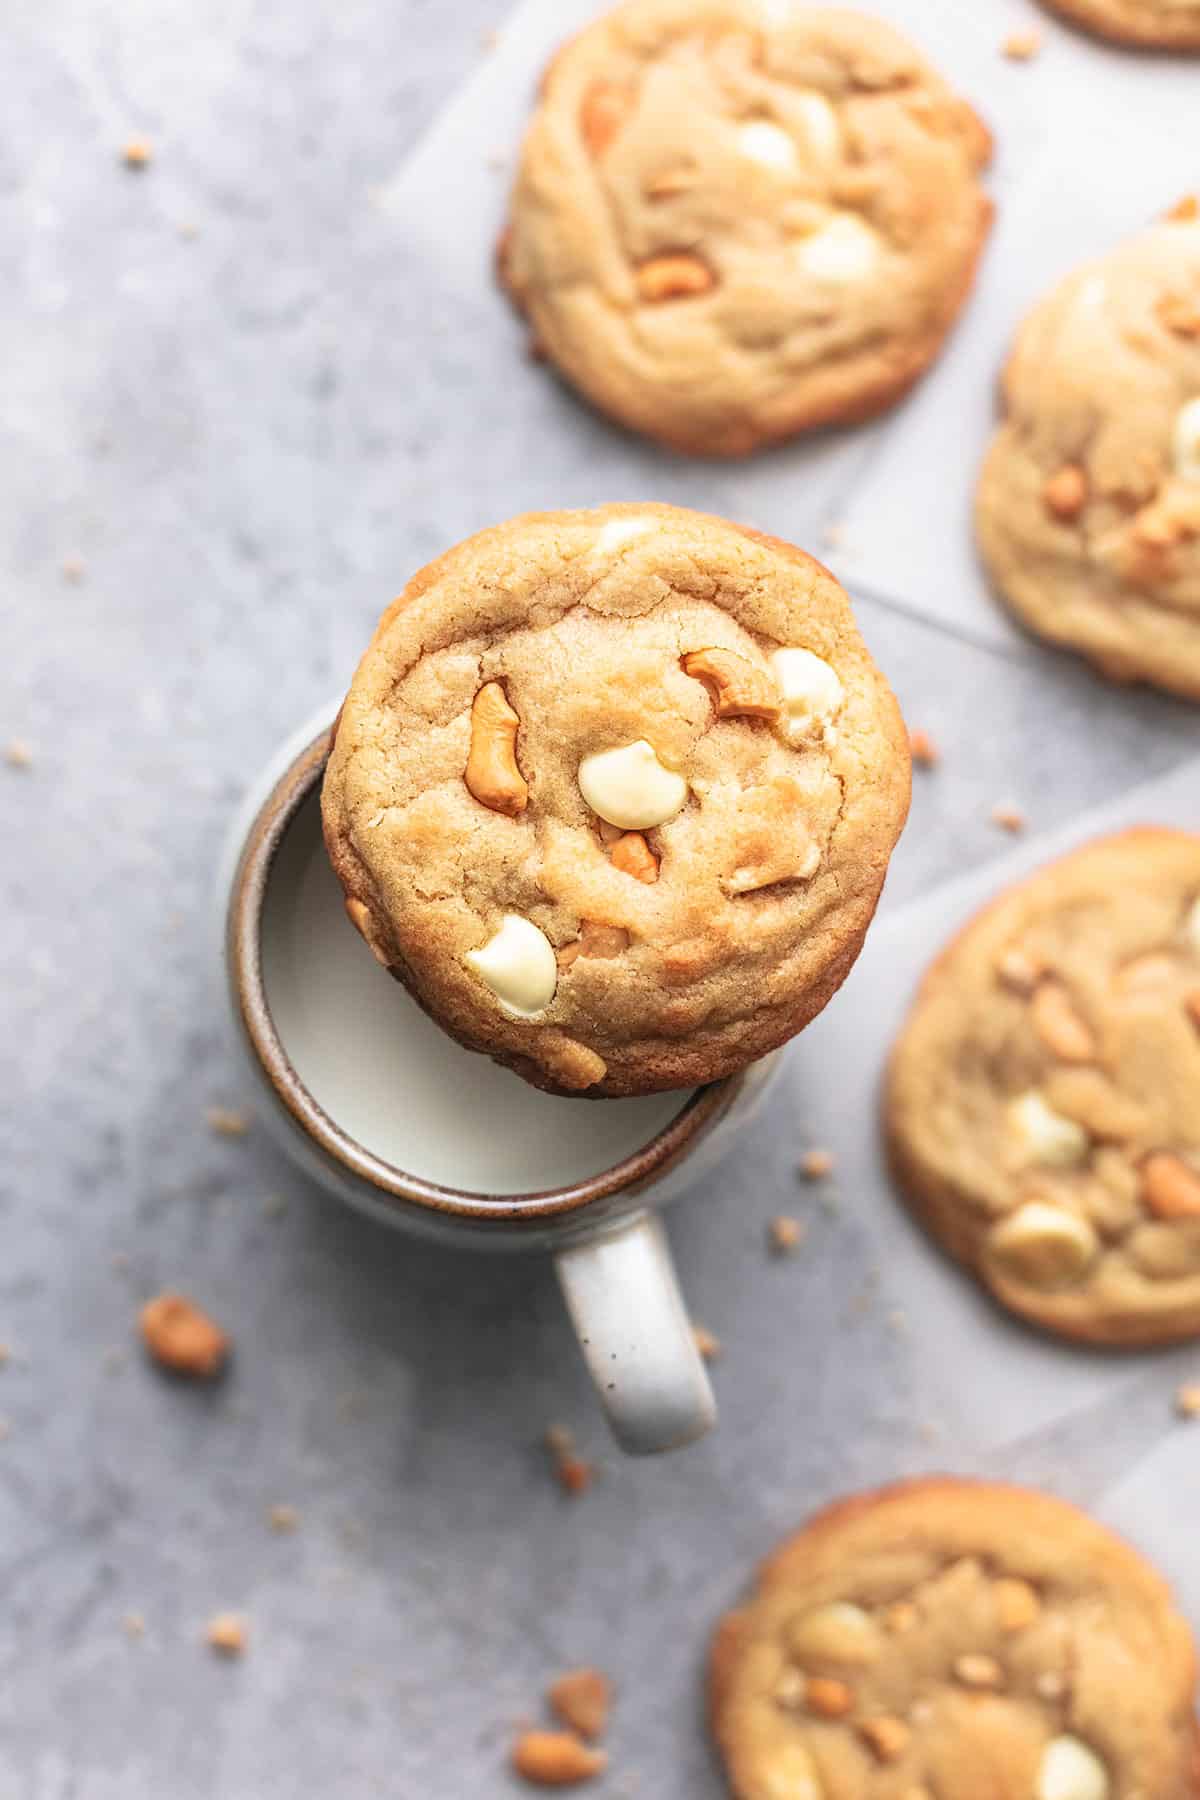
{"type": "Point", "coordinates": [387, 1112]}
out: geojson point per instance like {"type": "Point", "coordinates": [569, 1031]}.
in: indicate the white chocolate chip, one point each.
{"type": "Point", "coordinates": [519, 966]}
{"type": "Point", "coordinates": [842, 251]}
{"type": "Point", "coordinates": [840, 1632]}
{"type": "Point", "coordinates": [622, 531]}
{"type": "Point", "coordinates": [1187, 441]}
{"type": "Point", "coordinates": [1045, 1135]}
{"type": "Point", "coordinates": [767, 144]}
{"type": "Point", "coordinates": [1191, 925]}
{"type": "Point", "coordinates": [820, 124]}
{"type": "Point", "coordinates": [1070, 1771]}
{"type": "Point", "coordinates": [790, 1774]}
{"type": "Point", "coordinates": [1044, 1245]}
{"type": "Point", "coordinates": [629, 787]}
{"type": "Point", "coordinates": [812, 693]}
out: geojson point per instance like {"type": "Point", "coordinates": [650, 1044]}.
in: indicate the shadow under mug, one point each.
{"type": "Point", "coordinates": [611, 1255]}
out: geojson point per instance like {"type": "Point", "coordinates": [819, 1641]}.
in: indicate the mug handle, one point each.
{"type": "Point", "coordinates": [623, 1296]}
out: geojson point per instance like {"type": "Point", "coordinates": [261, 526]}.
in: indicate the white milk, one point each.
{"type": "Point", "coordinates": [392, 1079]}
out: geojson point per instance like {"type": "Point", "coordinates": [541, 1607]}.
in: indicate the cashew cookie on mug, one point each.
{"type": "Point", "coordinates": [613, 793]}
{"type": "Point", "coordinates": [735, 220]}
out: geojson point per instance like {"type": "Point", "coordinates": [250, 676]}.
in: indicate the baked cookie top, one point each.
{"type": "Point", "coordinates": [614, 793]}
{"type": "Point", "coordinates": [1043, 1101]}
{"type": "Point", "coordinates": [956, 1640]}
{"type": "Point", "coordinates": [1089, 503]}
{"type": "Point", "coordinates": [1161, 24]}
{"type": "Point", "coordinates": [736, 219]}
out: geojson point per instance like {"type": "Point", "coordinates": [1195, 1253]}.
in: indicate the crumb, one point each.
{"type": "Point", "coordinates": [924, 751]}
{"type": "Point", "coordinates": [282, 1517]}
{"type": "Point", "coordinates": [898, 1322]}
{"type": "Point", "coordinates": [182, 1338]}
{"type": "Point", "coordinates": [1187, 1401]}
{"type": "Point", "coordinates": [188, 230]}
{"type": "Point", "coordinates": [275, 1205]}
{"type": "Point", "coordinates": [575, 1476]}
{"type": "Point", "coordinates": [582, 1698]}
{"type": "Point", "coordinates": [226, 1634]}
{"type": "Point", "coordinates": [1008, 818]}
{"type": "Point", "coordinates": [133, 1625]}
{"type": "Point", "coordinates": [815, 1165]}
{"type": "Point", "coordinates": [555, 1758]}
{"type": "Point", "coordinates": [227, 1121]}
{"type": "Point", "coordinates": [137, 153]}
{"type": "Point", "coordinates": [707, 1342]}
{"type": "Point", "coordinates": [833, 534]}
{"type": "Point", "coordinates": [785, 1235]}
{"type": "Point", "coordinates": [73, 569]}
{"type": "Point", "coordinates": [5, 1356]}
{"type": "Point", "coordinates": [17, 754]}
{"type": "Point", "coordinates": [1022, 46]}
{"type": "Point", "coordinates": [927, 1432]}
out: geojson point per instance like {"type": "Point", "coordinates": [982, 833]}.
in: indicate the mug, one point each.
{"type": "Point", "coordinates": [386, 1111]}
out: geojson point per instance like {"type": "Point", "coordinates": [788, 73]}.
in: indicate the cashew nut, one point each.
{"type": "Point", "coordinates": [492, 775]}
{"type": "Point", "coordinates": [606, 106]}
{"type": "Point", "coordinates": [633, 856]}
{"type": "Point", "coordinates": [737, 686]}
{"type": "Point", "coordinates": [674, 277]}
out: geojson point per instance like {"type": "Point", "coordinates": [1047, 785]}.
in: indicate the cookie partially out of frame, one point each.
{"type": "Point", "coordinates": [1043, 1099]}
{"type": "Point", "coordinates": [956, 1640]}
{"type": "Point", "coordinates": [735, 220]}
{"type": "Point", "coordinates": [1088, 508]}
{"type": "Point", "coordinates": [1150, 24]}
{"type": "Point", "coordinates": [614, 793]}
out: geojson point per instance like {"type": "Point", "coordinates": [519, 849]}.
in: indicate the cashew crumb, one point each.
{"type": "Point", "coordinates": [582, 1698]}
{"type": "Point", "coordinates": [133, 1625]}
{"type": "Point", "coordinates": [923, 750]}
{"type": "Point", "coordinates": [1187, 1401]}
{"type": "Point", "coordinates": [1008, 818]}
{"type": "Point", "coordinates": [282, 1518]}
{"type": "Point", "coordinates": [17, 754]}
{"type": "Point", "coordinates": [226, 1634]}
{"type": "Point", "coordinates": [785, 1235]}
{"type": "Point", "coordinates": [137, 153]}
{"type": "Point", "coordinates": [73, 569]}
{"type": "Point", "coordinates": [227, 1121]}
{"type": "Point", "coordinates": [1022, 46]}
{"type": "Point", "coordinates": [556, 1758]}
{"type": "Point", "coordinates": [816, 1165]}
{"type": "Point", "coordinates": [707, 1342]}
{"type": "Point", "coordinates": [575, 1476]}
{"type": "Point", "coordinates": [182, 1338]}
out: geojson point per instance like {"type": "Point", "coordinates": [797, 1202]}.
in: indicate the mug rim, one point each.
{"type": "Point", "coordinates": [395, 1188]}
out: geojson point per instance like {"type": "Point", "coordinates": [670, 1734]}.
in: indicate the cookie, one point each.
{"type": "Point", "coordinates": [1153, 24]}
{"type": "Point", "coordinates": [1088, 507]}
{"type": "Point", "coordinates": [614, 793]}
{"type": "Point", "coordinates": [1043, 1100]}
{"type": "Point", "coordinates": [735, 220]}
{"type": "Point", "coordinates": [956, 1640]}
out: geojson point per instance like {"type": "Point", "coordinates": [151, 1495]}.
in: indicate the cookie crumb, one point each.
{"type": "Point", "coordinates": [816, 1165]}
{"type": "Point", "coordinates": [189, 231]}
{"type": "Point", "coordinates": [1008, 818]}
{"type": "Point", "coordinates": [1022, 46]}
{"type": "Point", "coordinates": [133, 1625]}
{"type": "Point", "coordinates": [575, 1475]}
{"type": "Point", "coordinates": [17, 754]}
{"type": "Point", "coordinates": [923, 750]}
{"type": "Point", "coordinates": [282, 1518]}
{"type": "Point", "coordinates": [5, 1356]}
{"type": "Point", "coordinates": [833, 535]}
{"type": "Point", "coordinates": [137, 153]}
{"type": "Point", "coordinates": [227, 1121]}
{"type": "Point", "coordinates": [556, 1758]}
{"type": "Point", "coordinates": [784, 1235]}
{"type": "Point", "coordinates": [182, 1338]}
{"type": "Point", "coordinates": [226, 1634]}
{"type": "Point", "coordinates": [73, 569]}
{"type": "Point", "coordinates": [707, 1342]}
{"type": "Point", "coordinates": [582, 1698]}
{"type": "Point", "coordinates": [1187, 1401]}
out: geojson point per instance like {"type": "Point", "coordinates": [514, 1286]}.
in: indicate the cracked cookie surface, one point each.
{"type": "Point", "coordinates": [614, 793]}
{"type": "Point", "coordinates": [956, 1640]}
{"type": "Point", "coordinates": [1153, 24]}
{"type": "Point", "coordinates": [1088, 509]}
{"type": "Point", "coordinates": [1043, 1099]}
{"type": "Point", "coordinates": [735, 220]}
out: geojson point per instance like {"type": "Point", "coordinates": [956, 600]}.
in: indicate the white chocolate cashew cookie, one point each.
{"type": "Point", "coordinates": [947, 1640]}
{"type": "Point", "coordinates": [730, 226]}
{"type": "Point", "coordinates": [1145, 24]}
{"type": "Point", "coordinates": [566, 812]}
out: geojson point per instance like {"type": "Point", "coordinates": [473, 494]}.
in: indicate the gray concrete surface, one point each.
{"type": "Point", "coordinates": [230, 393]}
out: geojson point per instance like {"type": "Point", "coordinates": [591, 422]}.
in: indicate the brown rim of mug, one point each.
{"type": "Point", "coordinates": [393, 1186]}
